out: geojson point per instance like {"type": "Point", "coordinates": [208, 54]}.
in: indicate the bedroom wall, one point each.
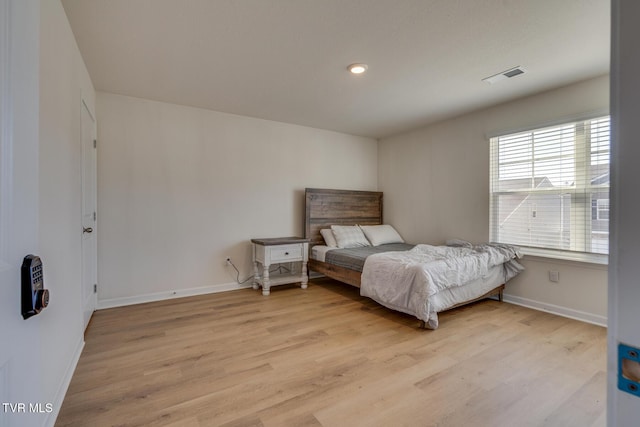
{"type": "Point", "coordinates": [181, 188]}
{"type": "Point", "coordinates": [436, 185]}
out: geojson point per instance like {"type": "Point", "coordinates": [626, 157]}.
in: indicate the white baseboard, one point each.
{"type": "Point", "coordinates": [583, 316]}
{"type": "Point", "coordinates": [160, 296]}
{"type": "Point", "coordinates": [224, 287]}
{"type": "Point", "coordinates": [64, 385]}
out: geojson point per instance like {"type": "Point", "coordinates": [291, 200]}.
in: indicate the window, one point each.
{"type": "Point", "coordinates": [550, 188]}
{"type": "Point", "coordinates": [602, 210]}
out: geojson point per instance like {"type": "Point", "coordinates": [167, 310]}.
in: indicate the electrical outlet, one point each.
{"type": "Point", "coordinates": [554, 276]}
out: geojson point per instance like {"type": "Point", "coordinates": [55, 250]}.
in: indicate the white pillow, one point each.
{"type": "Point", "coordinates": [328, 237]}
{"type": "Point", "coordinates": [381, 234]}
{"type": "Point", "coordinates": [349, 236]}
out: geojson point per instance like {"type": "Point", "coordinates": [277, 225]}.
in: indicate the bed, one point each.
{"type": "Point", "coordinates": [327, 207]}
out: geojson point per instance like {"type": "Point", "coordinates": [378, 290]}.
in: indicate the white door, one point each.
{"type": "Point", "coordinates": [21, 369]}
{"type": "Point", "coordinates": [89, 215]}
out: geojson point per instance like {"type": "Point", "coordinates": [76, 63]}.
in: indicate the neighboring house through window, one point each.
{"type": "Point", "coordinates": [550, 188]}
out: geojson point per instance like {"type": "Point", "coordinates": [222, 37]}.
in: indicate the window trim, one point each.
{"type": "Point", "coordinates": [591, 115]}
{"type": "Point", "coordinates": [585, 257]}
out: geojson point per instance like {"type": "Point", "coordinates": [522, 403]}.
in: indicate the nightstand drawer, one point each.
{"type": "Point", "coordinates": [285, 253]}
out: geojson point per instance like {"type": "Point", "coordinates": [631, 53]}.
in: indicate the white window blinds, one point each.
{"type": "Point", "coordinates": [550, 187]}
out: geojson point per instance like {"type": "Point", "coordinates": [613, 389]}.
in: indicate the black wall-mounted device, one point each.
{"type": "Point", "coordinates": [34, 296]}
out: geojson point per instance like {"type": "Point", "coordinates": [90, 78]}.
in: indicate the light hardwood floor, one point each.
{"type": "Point", "coordinates": [327, 357]}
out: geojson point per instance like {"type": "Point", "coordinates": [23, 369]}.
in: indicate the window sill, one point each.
{"type": "Point", "coordinates": [600, 259]}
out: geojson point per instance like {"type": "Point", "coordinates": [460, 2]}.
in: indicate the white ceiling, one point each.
{"type": "Point", "coordinates": [286, 60]}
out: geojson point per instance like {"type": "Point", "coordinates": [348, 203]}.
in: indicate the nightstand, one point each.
{"type": "Point", "coordinates": [276, 251]}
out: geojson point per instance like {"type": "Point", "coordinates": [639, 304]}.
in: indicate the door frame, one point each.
{"type": "Point", "coordinates": [90, 300]}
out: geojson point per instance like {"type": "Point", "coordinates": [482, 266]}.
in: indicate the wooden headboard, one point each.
{"type": "Point", "coordinates": [324, 208]}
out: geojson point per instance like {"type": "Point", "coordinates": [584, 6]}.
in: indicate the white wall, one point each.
{"type": "Point", "coordinates": [436, 185]}
{"type": "Point", "coordinates": [181, 188]}
{"type": "Point", "coordinates": [623, 409]}
{"type": "Point", "coordinates": [64, 81]}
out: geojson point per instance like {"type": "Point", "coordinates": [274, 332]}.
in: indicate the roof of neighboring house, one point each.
{"type": "Point", "coordinates": [601, 179]}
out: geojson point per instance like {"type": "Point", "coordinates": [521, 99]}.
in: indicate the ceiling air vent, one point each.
{"type": "Point", "coordinates": [507, 74]}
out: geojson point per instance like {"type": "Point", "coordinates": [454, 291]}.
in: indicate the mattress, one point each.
{"type": "Point", "coordinates": [318, 252]}
{"type": "Point", "coordinates": [353, 258]}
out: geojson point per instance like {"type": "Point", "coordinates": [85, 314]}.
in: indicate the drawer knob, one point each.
{"type": "Point", "coordinates": [286, 253]}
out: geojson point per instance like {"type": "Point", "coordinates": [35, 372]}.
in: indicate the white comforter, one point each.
{"type": "Point", "coordinates": [406, 281]}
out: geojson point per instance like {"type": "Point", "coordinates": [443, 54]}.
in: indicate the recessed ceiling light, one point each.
{"type": "Point", "coordinates": [357, 68]}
